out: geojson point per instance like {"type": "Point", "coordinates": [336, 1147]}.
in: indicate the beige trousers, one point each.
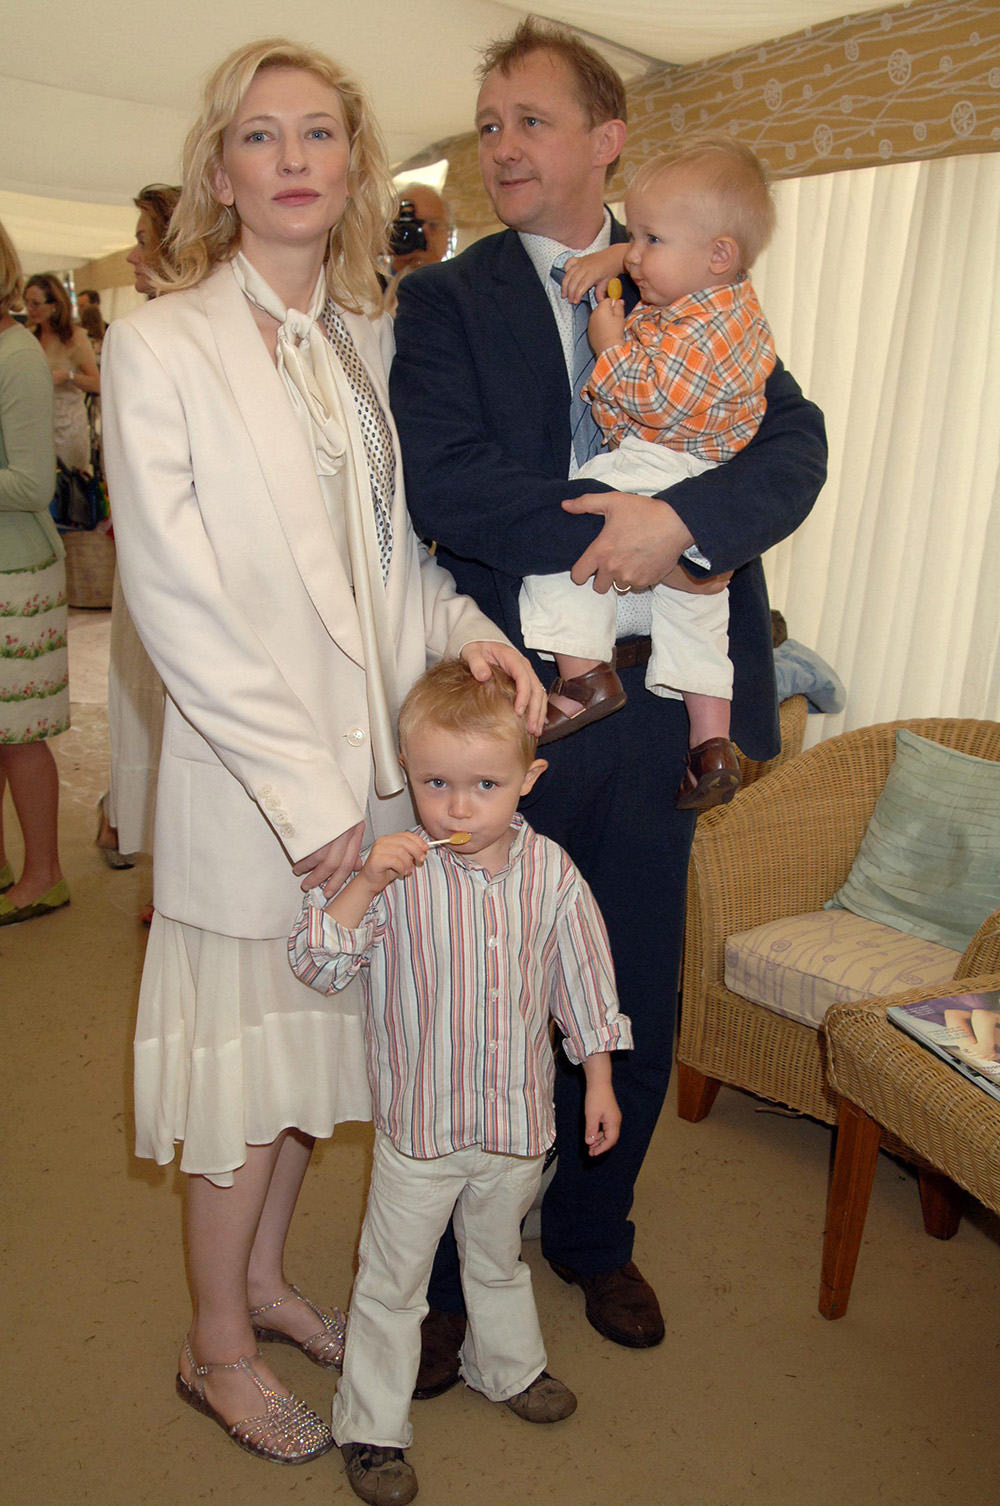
{"type": "Point", "coordinates": [409, 1205]}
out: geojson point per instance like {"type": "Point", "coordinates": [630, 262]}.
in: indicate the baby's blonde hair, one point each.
{"type": "Point", "coordinates": [449, 696]}
{"type": "Point", "coordinates": [732, 183]}
{"type": "Point", "coordinates": [204, 232]}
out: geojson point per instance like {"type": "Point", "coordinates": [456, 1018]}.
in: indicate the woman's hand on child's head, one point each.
{"type": "Point", "coordinates": [393, 858]}
{"type": "Point", "coordinates": [607, 325]}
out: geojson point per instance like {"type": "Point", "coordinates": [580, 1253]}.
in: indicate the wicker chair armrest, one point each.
{"type": "Point", "coordinates": [982, 955]}
{"type": "Point", "coordinates": [792, 714]}
{"type": "Point", "coordinates": [781, 848]}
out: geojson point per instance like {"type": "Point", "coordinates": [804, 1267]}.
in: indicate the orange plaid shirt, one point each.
{"type": "Point", "coordinates": [690, 376]}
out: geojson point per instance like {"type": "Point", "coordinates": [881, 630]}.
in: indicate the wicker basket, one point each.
{"type": "Point", "coordinates": [90, 569]}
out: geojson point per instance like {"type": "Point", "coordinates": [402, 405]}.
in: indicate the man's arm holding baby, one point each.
{"type": "Point", "coordinates": [733, 513]}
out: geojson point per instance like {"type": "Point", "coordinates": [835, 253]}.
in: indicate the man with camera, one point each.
{"type": "Point", "coordinates": [420, 232]}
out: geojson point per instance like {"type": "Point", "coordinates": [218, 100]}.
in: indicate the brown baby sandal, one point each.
{"type": "Point", "coordinates": [711, 775]}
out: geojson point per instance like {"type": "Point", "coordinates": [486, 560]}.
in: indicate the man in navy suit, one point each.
{"type": "Point", "coordinates": [481, 392]}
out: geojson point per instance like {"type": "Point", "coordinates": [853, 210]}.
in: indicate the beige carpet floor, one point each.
{"type": "Point", "coordinates": [753, 1398]}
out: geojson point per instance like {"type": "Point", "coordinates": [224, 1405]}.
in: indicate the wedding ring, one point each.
{"type": "Point", "coordinates": [621, 590]}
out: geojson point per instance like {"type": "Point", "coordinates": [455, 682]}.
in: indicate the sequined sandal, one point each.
{"type": "Point", "coordinates": [325, 1348]}
{"type": "Point", "coordinates": [287, 1431]}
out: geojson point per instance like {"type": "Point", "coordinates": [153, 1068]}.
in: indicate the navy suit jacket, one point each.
{"type": "Point", "coordinates": [481, 399]}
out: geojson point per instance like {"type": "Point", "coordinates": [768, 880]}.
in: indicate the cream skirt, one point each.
{"type": "Point", "coordinates": [230, 1049]}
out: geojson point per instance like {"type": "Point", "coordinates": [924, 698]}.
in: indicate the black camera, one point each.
{"type": "Point", "coordinates": [407, 232]}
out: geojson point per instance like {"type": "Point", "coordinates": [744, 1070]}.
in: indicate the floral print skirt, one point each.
{"type": "Point", "coordinates": [34, 664]}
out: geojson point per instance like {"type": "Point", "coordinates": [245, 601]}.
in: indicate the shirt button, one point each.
{"type": "Point", "coordinates": [492, 1046]}
{"type": "Point", "coordinates": [492, 943]}
{"type": "Point", "coordinates": [490, 1094]}
{"type": "Point", "coordinates": [356, 736]}
{"type": "Point", "coordinates": [494, 993]}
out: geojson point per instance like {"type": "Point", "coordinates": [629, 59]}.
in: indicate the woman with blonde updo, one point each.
{"type": "Point", "coordinates": [268, 561]}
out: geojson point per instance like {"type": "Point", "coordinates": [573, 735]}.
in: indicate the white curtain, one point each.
{"type": "Point", "coordinates": [882, 287]}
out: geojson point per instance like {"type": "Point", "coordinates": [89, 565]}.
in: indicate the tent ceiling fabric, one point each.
{"type": "Point", "coordinates": [88, 121]}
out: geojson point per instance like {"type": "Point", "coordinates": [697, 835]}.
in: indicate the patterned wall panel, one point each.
{"type": "Point", "coordinates": [907, 83]}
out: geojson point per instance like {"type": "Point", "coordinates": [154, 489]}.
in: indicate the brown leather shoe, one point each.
{"type": "Point", "coordinates": [599, 692]}
{"type": "Point", "coordinates": [621, 1305]}
{"type": "Point", "coordinates": [711, 775]}
{"type": "Point", "coordinates": [441, 1337]}
{"type": "Point", "coordinates": [545, 1400]}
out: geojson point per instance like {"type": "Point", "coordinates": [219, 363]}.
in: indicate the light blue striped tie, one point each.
{"type": "Point", "coordinates": [586, 434]}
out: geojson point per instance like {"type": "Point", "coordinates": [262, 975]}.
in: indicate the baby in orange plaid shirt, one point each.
{"type": "Point", "coordinates": [677, 387]}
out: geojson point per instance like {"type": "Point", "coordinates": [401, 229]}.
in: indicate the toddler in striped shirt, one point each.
{"type": "Point", "coordinates": [469, 933]}
{"type": "Point", "coordinates": [678, 387]}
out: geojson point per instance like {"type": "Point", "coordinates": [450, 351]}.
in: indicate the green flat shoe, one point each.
{"type": "Point", "coordinates": [54, 899]}
{"type": "Point", "coordinates": [6, 878]}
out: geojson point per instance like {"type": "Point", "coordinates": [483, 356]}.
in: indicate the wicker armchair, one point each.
{"type": "Point", "coordinates": [893, 1089]}
{"type": "Point", "coordinates": [782, 848]}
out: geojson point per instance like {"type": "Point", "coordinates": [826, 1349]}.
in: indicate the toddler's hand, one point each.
{"type": "Point", "coordinates": [593, 271]}
{"type": "Point", "coordinates": [392, 858]}
{"type": "Point", "coordinates": [607, 325]}
{"type": "Point", "coordinates": [602, 1118]}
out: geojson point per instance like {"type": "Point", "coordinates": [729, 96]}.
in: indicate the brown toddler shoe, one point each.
{"type": "Point", "coordinates": [380, 1476]}
{"type": "Point", "coordinates": [598, 693]}
{"type": "Point", "coordinates": [545, 1400]}
{"type": "Point", "coordinates": [711, 775]}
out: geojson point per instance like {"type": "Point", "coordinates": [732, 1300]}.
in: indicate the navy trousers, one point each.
{"type": "Point", "coordinates": [608, 799]}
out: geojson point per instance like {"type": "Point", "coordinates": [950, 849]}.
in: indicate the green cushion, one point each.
{"type": "Point", "coordinates": [929, 863]}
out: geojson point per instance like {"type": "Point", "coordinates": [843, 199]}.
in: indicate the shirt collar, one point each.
{"type": "Point", "coordinates": [726, 296]}
{"type": "Point", "coordinates": [542, 250]}
{"type": "Point", "coordinates": [520, 829]}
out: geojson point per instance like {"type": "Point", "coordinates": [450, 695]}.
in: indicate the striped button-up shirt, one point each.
{"type": "Point", "coordinates": [690, 376]}
{"type": "Point", "coordinates": [462, 970]}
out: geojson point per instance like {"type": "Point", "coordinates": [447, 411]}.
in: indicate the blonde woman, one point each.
{"type": "Point", "coordinates": [71, 361]}
{"type": "Point", "coordinates": [268, 561]}
{"type": "Point", "coordinates": [34, 676]}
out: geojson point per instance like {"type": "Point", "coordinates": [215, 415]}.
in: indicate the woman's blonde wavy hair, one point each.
{"type": "Point", "coordinates": [203, 233]}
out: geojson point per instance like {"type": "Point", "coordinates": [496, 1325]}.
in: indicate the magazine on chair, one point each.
{"type": "Point", "coordinates": [963, 1029]}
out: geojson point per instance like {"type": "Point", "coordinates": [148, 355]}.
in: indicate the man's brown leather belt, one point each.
{"type": "Point", "coordinates": [632, 652]}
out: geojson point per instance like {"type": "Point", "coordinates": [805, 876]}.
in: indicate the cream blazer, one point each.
{"type": "Point", "coordinates": [239, 593]}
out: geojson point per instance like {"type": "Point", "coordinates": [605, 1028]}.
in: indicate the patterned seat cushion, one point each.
{"type": "Point", "coordinates": [801, 965]}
